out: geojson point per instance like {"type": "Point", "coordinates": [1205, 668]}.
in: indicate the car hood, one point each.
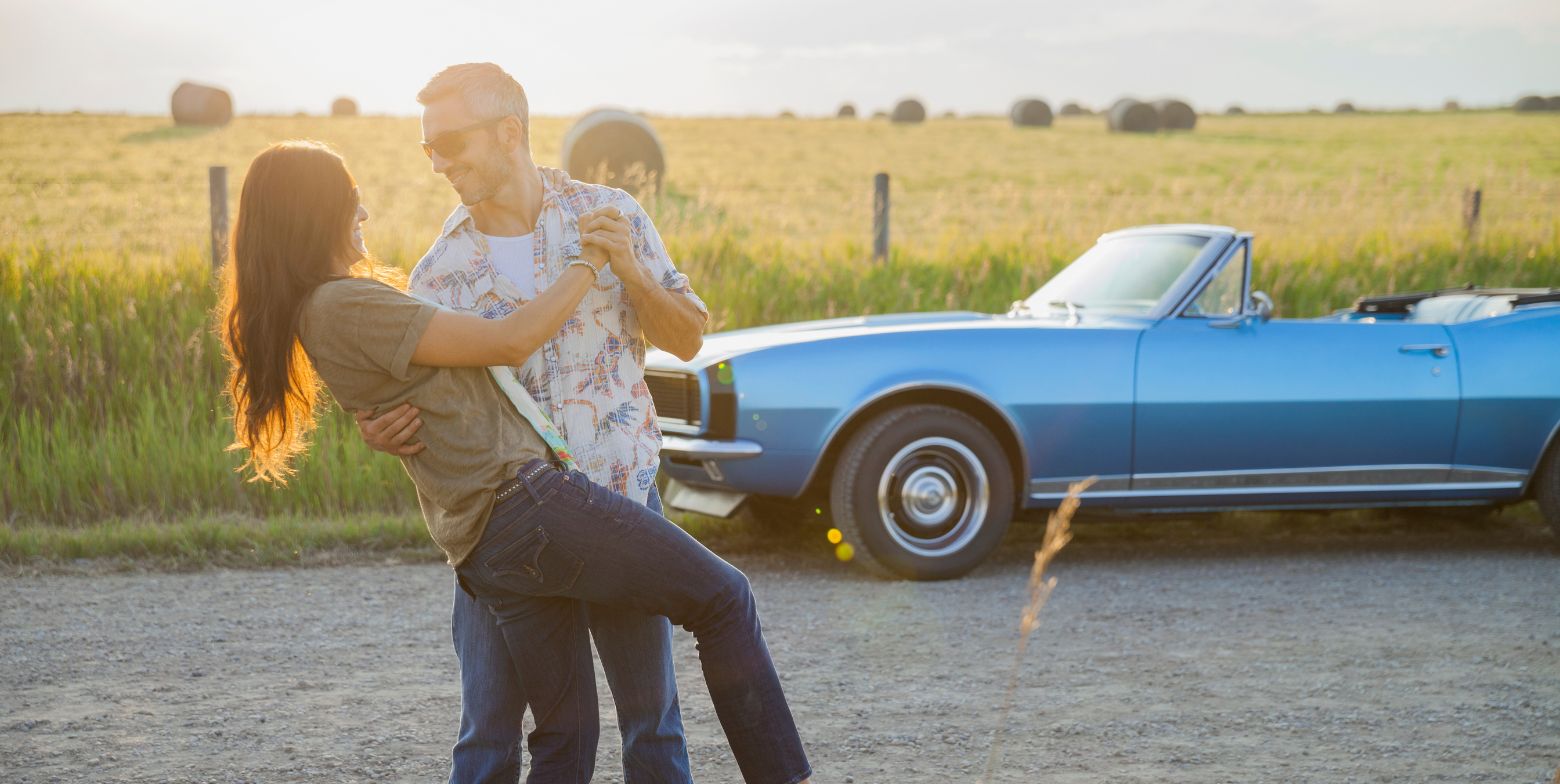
{"type": "Point", "coordinates": [722, 346]}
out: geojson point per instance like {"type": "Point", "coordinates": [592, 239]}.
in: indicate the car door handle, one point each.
{"type": "Point", "coordinates": [1434, 349]}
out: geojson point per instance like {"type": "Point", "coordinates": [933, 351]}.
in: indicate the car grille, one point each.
{"type": "Point", "coordinates": [676, 397]}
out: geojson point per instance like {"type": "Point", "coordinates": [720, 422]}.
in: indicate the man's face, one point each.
{"type": "Point", "coordinates": [481, 166]}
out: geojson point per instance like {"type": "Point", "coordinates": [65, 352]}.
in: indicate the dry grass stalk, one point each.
{"type": "Point", "coordinates": [1058, 532]}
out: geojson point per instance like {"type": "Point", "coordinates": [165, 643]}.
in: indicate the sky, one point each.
{"type": "Point", "coordinates": [743, 57]}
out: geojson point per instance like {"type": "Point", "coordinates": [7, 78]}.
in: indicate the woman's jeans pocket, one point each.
{"type": "Point", "coordinates": [532, 564]}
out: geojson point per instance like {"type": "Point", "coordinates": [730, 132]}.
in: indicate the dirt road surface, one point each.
{"type": "Point", "coordinates": [1233, 649]}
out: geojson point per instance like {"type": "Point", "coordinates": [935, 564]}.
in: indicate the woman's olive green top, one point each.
{"type": "Point", "coordinates": [361, 334]}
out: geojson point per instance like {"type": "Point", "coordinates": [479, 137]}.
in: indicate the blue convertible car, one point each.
{"type": "Point", "coordinates": [1148, 363]}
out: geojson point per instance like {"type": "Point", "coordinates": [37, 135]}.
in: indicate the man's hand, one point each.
{"type": "Point", "coordinates": [608, 230]}
{"type": "Point", "coordinates": [389, 432]}
{"type": "Point", "coordinates": [592, 251]}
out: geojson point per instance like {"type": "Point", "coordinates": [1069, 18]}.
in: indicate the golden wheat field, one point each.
{"type": "Point", "coordinates": [110, 405]}
{"type": "Point", "coordinates": [1306, 184]}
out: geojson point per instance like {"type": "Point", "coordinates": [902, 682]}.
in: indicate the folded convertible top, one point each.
{"type": "Point", "coordinates": [1403, 303]}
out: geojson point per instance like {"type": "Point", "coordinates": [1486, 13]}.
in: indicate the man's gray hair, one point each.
{"type": "Point", "coordinates": [487, 90]}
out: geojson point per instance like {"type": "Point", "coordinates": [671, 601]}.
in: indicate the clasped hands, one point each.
{"type": "Point", "coordinates": [606, 238]}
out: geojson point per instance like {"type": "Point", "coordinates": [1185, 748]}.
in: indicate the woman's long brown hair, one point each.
{"type": "Point", "coordinates": [294, 230]}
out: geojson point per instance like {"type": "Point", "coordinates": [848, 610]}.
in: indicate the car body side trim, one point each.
{"type": "Point", "coordinates": [1287, 479]}
{"type": "Point", "coordinates": [1351, 475]}
{"type": "Point", "coordinates": [1240, 491]}
{"type": "Point", "coordinates": [1054, 485]}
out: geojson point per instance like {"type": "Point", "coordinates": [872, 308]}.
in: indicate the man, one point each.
{"type": "Point", "coordinates": [516, 228]}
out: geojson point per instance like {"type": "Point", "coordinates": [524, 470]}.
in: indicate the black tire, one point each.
{"type": "Point", "coordinates": [1546, 488]}
{"type": "Point", "coordinates": [945, 486]}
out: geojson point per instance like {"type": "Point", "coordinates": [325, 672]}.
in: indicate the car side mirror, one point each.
{"type": "Point", "coordinates": [1261, 306]}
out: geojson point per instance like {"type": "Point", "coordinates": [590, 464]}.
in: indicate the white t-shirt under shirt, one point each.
{"type": "Point", "coordinates": [513, 258]}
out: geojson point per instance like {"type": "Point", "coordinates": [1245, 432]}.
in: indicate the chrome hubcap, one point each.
{"type": "Point", "coordinates": [933, 496]}
{"type": "Point", "coordinates": [929, 496]}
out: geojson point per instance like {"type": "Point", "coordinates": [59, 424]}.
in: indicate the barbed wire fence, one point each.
{"type": "Point", "coordinates": [871, 203]}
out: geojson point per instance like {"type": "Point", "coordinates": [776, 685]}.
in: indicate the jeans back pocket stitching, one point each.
{"type": "Point", "coordinates": [532, 569]}
{"type": "Point", "coordinates": [573, 564]}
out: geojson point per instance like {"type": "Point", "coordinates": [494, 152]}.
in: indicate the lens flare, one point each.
{"type": "Point", "coordinates": [835, 537]}
{"type": "Point", "coordinates": [844, 551]}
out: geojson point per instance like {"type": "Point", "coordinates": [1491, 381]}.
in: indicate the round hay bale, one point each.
{"type": "Point", "coordinates": [1175, 115]}
{"type": "Point", "coordinates": [617, 148]}
{"type": "Point", "coordinates": [788, 115]}
{"type": "Point", "coordinates": [949, 115]}
{"type": "Point", "coordinates": [1344, 108]}
{"type": "Point", "coordinates": [908, 111]}
{"type": "Point", "coordinates": [199, 104]}
{"type": "Point", "coordinates": [1451, 106]}
{"type": "Point", "coordinates": [1030, 113]}
{"type": "Point", "coordinates": [847, 111]}
{"type": "Point", "coordinates": [1072, 109]}
{"type": "Point", "coordinates": [1531, 103]}
{"type": "Point", "coordinates": [1129, 115]}
{"type": "Point", "coordinates": [343, 107]}
{"type": "Point", "coordinates": [880, 115]}
{"type": "Point", "coordinates": [1313, 110]}
{"type": "Point", "coordinates": [1235, 109]}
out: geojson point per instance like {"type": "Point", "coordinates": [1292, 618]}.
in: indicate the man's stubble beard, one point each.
{"type": "Point", "coordinates": [491, 174]}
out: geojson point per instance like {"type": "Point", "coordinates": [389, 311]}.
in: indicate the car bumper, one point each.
{"type": "Point", "coordinates": [685, 448]}
{"type": "Point", "coordinates": [696, 461]}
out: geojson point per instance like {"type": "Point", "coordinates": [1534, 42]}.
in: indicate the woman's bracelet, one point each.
{"type": "Point", "coordinates": [595, 274]}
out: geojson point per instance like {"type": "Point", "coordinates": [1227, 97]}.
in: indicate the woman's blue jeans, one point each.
{"type": "Point", "coordinates": [564, 541]}
{"type": "Point", "coordinates": [636, 654]}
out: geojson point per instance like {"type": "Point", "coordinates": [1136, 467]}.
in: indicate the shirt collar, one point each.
{"type": "Point", "coordinates": [553, 182]}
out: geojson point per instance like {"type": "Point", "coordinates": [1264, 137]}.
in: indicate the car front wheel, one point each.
{"type": "Point", "coordinates": [1546, 488]}
{"type": "Point", "coordinates": [924, 492]}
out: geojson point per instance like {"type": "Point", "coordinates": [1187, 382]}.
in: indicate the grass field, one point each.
{"type": "Point", "coordinates": [109, 375]}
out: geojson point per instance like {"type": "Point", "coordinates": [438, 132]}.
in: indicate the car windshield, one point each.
{"type": "Point", "coordinates": [1123, 275]}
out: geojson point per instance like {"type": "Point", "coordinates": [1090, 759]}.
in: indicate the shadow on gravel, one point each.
{"type": "Point", "coordinates": [1276, 534]}
{"type": "Point", "coordinates": [802, 547]}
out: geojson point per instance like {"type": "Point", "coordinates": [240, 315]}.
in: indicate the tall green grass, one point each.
{"type": "Point", "coordinates": [110, 388]}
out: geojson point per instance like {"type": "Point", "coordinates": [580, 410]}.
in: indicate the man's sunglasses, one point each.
{"type": "Point", "coordinates": [452, 143]}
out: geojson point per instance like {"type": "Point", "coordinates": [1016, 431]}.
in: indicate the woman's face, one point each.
{"type": "Point", "coordinates": [357, 226]}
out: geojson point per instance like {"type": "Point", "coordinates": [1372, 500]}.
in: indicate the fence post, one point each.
{"type": "Point", "coordinates": [1473, 201]}
{"type": "Point", "coordinates": [880, 217]}
{"type": "Point", "coordinates": [219, 216]}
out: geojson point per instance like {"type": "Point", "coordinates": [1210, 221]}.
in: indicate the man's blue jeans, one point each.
{"type": "Point", "coordinates": [636, 654]}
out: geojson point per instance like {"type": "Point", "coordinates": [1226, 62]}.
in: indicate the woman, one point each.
{"type": "Point", "coordinates": [531, 541]}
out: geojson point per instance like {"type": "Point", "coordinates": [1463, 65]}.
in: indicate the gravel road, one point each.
{"type": "Point", "coordinates": [1234, 649]}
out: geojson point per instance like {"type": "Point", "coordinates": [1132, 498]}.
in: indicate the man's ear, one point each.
{"type": "Point", "coordinates": [512, 133]}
